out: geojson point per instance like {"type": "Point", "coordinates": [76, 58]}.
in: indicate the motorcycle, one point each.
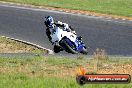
{"type": "Point", "coordinates": [64, 40]}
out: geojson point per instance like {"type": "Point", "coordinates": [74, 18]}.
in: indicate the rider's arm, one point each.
{"type": "Point", "coordinates": [59, 23]}
{"type": "Point", "coordinates": [71, 28]}
{"type": "Point", "coordinates": [66, 26]}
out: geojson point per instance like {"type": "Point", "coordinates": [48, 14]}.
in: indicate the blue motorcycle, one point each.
{"type": "Point", "coordinates": [64, 40]}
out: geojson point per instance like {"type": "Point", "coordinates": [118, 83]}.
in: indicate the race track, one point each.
{"type": "Point", "coordinates": [115, 36]}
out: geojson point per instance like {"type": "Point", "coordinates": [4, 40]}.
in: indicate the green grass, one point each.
{"type": "Point", "coordinates": [38, 72]}
{"type": "Point", "coordinates": [22, 81]}
{"type": "Point", "coordinates": [115, 7]}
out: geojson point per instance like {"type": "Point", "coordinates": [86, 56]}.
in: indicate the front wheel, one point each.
{"type": "Point", "coordinates": [67, 47]}
{"type": "Point", "coordinates": [84, 51]}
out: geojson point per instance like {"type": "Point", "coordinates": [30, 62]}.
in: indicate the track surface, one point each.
{"type": "Point", "coordinates": [115, 36]}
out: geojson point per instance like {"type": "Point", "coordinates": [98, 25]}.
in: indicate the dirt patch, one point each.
{"type": "Point", "coordinates": [43, 69]}
{"type": "Point", "coordinates": [116, 69]}
{"type": "Point", "coordinates": [12, 46]}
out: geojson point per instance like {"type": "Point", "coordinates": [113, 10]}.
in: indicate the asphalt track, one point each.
{"type": "Point", "coordinates": [115, 36]}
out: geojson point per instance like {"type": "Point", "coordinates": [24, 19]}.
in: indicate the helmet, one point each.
{"type": "Point", "coordinates": [49, 21]}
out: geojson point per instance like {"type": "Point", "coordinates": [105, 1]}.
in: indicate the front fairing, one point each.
{"type": "Point", "coordinates": [76, 45]}
{"type": "Point", "coordinates": [79, 45]}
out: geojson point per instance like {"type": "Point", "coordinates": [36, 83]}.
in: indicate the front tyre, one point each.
{"type": "Point", "coordinates": [67, 47]}
{"type": "Point", "coordinates": [84, 51]}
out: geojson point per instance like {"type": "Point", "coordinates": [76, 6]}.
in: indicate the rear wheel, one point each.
{"type": "Point", "coordinates": [67, 47]}
{"type": "Point", "coordinates": [57, 49]}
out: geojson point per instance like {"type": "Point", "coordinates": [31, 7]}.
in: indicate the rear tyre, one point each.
{"type": "Point", "coordinates": [67, 47]}
{"type": "Point", "coordinates": [57, 49]}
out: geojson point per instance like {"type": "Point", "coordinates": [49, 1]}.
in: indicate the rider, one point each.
{"type": "Point", "coordinates": [49, 22]}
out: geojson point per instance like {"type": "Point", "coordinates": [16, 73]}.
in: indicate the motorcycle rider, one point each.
{"type": "Point", "coordinates": [49, 22]}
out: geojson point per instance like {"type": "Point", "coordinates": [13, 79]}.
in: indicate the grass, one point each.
{"type": "Point", "coordinates": [114, 7]}
{"type": "Point", "coordinates": [49, 72]}
{"type": "Point", "coordinates": [22, 81]}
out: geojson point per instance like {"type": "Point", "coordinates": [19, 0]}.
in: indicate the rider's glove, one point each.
{"type": "Point", "coordinates": [65, 25]}
{"type": "Point", "coordinates": [73, 32]}
{"type": "Point", "coordinates": [60, 23]}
